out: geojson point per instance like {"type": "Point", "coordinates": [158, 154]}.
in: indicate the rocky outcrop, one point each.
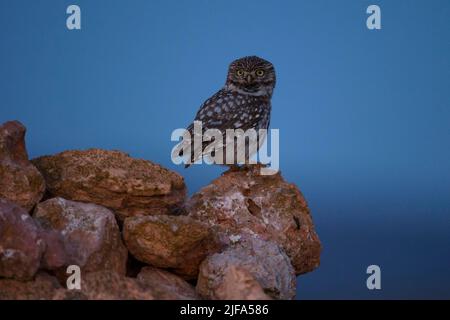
{"type": "Point", "coordinates": [89, 234]}
{"type": "Point", "coordinates": [20, 181]}
{"type": "Point", "coordinates": [21, 245]}
{"type": "Point", "coordinates": [245, 202]}
{"type": "Point", "coordinates": [151, 284]}
{"type": "Point", "coordinates": [56, 254]}
{"type": "Point", "coordinates": [103, 285]}
{"type": "Point", "coordinates": [165, 285]}
{"type": "Point", "coordinates": [43, 287]}
{"type": "Point", "coordinates": [114, 180]}
{"type": "Point", "coordinates": [264, 260]}
{"type": "Point", "coordinates": [239, 284]}
{"type": "Point", "coordinates": [244, 236]}
{"type": "Point", "coordinates": [178, 243]}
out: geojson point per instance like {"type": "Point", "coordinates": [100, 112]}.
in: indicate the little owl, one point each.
{"type": "Point", "coordinates": [243, 103]}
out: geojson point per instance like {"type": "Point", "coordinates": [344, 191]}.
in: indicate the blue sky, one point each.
{"type": "Point", "coordinates": [364, 116]}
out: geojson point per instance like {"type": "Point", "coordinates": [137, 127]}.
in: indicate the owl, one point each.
{"type": "Point", "coordinates": [244, 102]}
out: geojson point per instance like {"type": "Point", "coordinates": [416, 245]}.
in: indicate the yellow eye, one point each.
{"type": "Point", "coordinates": [259, 72]}
{"type": "Point", "coordinates": [240, 72]}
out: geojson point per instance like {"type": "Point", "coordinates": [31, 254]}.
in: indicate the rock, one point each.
{"type": "Point", "coordinates": [114, 180]}
{"type": "Point", "coordinates": [244, 202]}
{"type": "Point", "coordinates": [90, 237]}
{"type": "Point", "coordinates": [165, 285]}
{"type": "Point", "coordinates": [179, 243]}
{"type": "Point", "coordinates": [55, 256]}
{"type": "Point", "coordinates": [20, 181]}
{"type": "Point", "coordinates": [151, 284]}
{"type": "Point", "coordinates": [104, 285]}
{"type": "Point", "coordinates": [21, 245]}
{"type": "Point", "coordinates": [239, 284]}
{"type": "Point", "coordinates": [63, 294]}
{"type": "Point", "coordinates": [44, 287]}
{"type": "Point", "coordinates": [264, 260]}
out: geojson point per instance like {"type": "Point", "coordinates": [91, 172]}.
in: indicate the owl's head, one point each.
{"type": "Point", "coordinates": [251, 75]}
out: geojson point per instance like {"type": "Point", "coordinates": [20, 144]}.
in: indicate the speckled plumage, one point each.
{"type": "Point", "coordinates": [243, 103]}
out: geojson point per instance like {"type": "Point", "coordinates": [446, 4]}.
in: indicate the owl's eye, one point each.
{"type": "Point", "coordinates": [240, 72]}
{"type": "Point", "coordinates": [259, 72]}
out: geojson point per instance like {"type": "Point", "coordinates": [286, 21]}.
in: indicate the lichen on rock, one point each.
{"type": "Point", "coordinates": [114, 180]}
{"type": "Point", "coordinates": [243, 236]}
{"type": "Point", "coordinates": [89, 233]}
{"type": "Point", "coordinates": [264, 260]}
{"type": "Point", "coordinates": [178, 243]}
{"type": "Point", "coordinates": [245, 202]}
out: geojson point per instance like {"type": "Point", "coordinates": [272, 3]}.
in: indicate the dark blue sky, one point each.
{"type": "Point", "coordinates": [364, 116]}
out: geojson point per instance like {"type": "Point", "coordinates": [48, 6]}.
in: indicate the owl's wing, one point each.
{"type": "Point", "coordinates": [223, 111]}
{"type": "Point", "coordinates": [210, 114]}
{"type": "Point", "coordinates": [242, 118]}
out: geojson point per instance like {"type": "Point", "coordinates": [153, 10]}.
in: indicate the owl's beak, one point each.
{"type": "Point", "coordinates": [249, 79]}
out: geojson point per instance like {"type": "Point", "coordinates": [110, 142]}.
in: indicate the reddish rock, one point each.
{"type": "Point", "coordinates": [89, 234]}
{"type": "Point", "coordinates": [165, 285]}
{"type": "Point", "coordinates": [21, 246]}
{"type": "Point", "coordinates": [151, 284]}
{"type": "Point", "coordinates": [55, 255]}
{"type": "Point", "coordinates": [114, 180]}
{"type": "Point", "coordinates": [179, 243]}
{"type": "Point", "coordinates": [239, 284]}
{"type": "Point", "coordinates": [264, 260]}
{"type": "Point", "coordinates": [63, 294]}
{"type": "Point", "coordinates": [245, 202]}
{"type": "Point", "coordinates": [104, 285]}
{"type": "Point", "coordinates": [43, 287]}
{"type": "Point", "coordinates": [94, 286]}
{"type": "Point", "coordinates": [20, 181]}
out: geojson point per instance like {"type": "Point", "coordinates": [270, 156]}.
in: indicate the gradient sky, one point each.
{"type": "Point", "coordinates": [364, 116]}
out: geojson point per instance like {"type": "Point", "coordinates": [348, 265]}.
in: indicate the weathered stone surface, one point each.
{"type": "Point", "coordinates": [20, 181]}
{"type": "Point", "coordinates": [263, 259]}
{"type": "Point", "coordinates": [245, 202]}
{"type": "Point", "coordinates": [43, 287]}
{"type": "Point", "coordinates": [89, 234]}
{"type": "Point", "coordinates": [100, 285]}
{"type": "Point", "coordinates": [55, 255]}
{"type": "Point", "coordinates": [179, 243]}
{"type": "Point", "coordinates": [244, 236]}
{"type": "Point", "coordinates": [114, 180]}
{"type": "Point", "coordinates": [239, 284]}
{"type": "Point", "coordinates": [165, 285]}
{"type": "Point", "coordinates": [151, 284]}
{"type": "Point", "coordinates": [21, 246]}
{"type": "Point", "coordinates": [104, 285]}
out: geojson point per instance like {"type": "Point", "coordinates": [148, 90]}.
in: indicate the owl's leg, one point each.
{"type": "Point", "coordinates": [244, 167]}
{"type": "Point", "coordinates": [236, 167]}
